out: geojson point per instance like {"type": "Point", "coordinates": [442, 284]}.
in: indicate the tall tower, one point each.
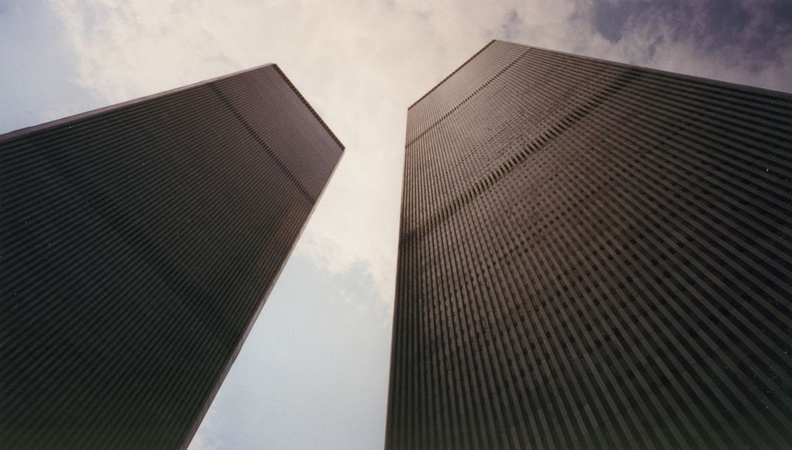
{"type": "Point", "coordinates": [138, 244]}
{"type": "Point", "coordinates": [593, 255]}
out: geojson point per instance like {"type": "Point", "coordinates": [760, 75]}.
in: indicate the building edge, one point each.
{"type": "Point", "coordinates": [308, 105]}
{"type": "Point", "coordinates": [144, 99]}
{"type": "Point", "coordinates": [396, 302]}
{"type": "Point", "coordinates": [693, 78]}
{"type": "Point", "coordinates": [451, 74]}
{"type": "Point", "coordinates": [254, 318]}
{"type": "Point", "coordinates": [147, 98]}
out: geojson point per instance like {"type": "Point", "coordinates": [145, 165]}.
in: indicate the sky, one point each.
{"type": "Point", "coordinates": [313, 372]}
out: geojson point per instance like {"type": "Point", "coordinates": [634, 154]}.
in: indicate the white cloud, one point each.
{"type": "Point", "coordinates": [37, 71]}
{"type": "Point", "coordinates": [738, 41]}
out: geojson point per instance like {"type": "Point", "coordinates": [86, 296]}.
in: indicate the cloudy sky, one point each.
{"type": "Point", "coordinates": [314, 371]}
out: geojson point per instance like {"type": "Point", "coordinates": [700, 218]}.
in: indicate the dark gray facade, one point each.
{"type": "Point", "coordinates": [138, 244]}
{"type": "Point", "coordinates": [593, 255]}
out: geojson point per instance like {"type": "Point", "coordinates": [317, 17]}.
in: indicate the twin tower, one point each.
{"type": "Point", "coordinates": [591, 255]}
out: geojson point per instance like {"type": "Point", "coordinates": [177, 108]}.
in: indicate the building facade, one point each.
{"type": "Point", "coordinates": [593, 255]}
{"type": "Point", "coordinates": [138, 244]}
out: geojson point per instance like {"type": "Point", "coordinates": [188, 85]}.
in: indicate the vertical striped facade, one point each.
{"type": "Point", "coordinates": [593, 255]}
{"type": "Point", "coordinates": [137, 246]}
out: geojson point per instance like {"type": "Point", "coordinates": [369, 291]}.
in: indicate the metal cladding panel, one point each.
{"type": "Point", "coordinates": [594, 255]}
{"type": "Point", "coordinates": [137, 245]}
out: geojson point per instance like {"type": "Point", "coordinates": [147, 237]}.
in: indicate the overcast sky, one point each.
{"type": "Point", "coordinates": [314, 371]}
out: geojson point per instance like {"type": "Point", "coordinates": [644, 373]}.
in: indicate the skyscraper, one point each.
{"type": "Point", "coordinates": [138, 244]}
{"type": "Point", "coordinates": [593, 255]}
